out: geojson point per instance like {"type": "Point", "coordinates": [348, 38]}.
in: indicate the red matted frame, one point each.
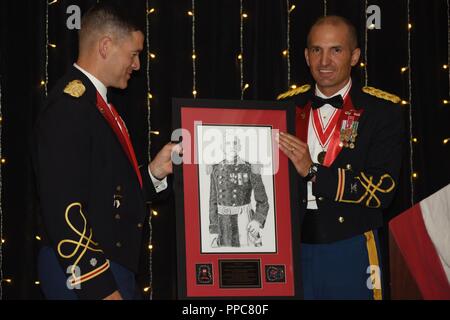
{"type": "Point", "coordinates": [207, 275]}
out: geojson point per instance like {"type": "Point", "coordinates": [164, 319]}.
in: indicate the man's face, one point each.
{"type": "Point", "coordinates": [330, 57]}
{"type": "Point", "coordinates": [230, 149]}
{"type": "Point", "coordinates": [124, 59]}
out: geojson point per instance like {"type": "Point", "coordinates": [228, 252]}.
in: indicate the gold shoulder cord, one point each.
{"type": "Point", "coordinates": [294, 92]}
{"type": "Point", "coordinates": [381, 94]}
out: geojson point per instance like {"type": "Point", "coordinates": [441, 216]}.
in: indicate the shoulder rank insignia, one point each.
{"type": "Point", "coordinates": [381, 94]}
{"type": "Point", "coordinates": [294, 92]}
{"type": "Point", "coordinates": [75, 88]}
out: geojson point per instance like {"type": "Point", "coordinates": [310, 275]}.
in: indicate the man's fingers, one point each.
{"type": "Point", "coordinates": [286, 151]}
{"type": "Point", "coordinates": [290, 139]}
{"type": "Point", "coordinates": [290, 148]}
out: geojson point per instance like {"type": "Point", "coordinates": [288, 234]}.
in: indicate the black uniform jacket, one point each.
{"type": "Point", "coordinates": [93, 207]}
{"type": "Point", "coordinates": [354, 189]}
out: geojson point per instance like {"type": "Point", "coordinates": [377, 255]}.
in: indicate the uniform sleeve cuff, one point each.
{"type": "Point", "coordinates": [160, 185]}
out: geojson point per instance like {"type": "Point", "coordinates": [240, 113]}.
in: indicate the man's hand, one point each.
{"type": "Point", "coordinates": [253, 227]}
{"type": "Point", "coordinates": [161, 166]}
{"type": "Point", "coordinates": [297, 151]}
{"type": "Point", "coordinates": [114, 296]}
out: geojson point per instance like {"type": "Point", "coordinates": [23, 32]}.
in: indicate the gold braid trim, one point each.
{"type": "Point", "coordinates": [371, 188]}
{"type": "Point", "coordinates": [84, 242]}
{"type": "Point", "coordinates": [374, 264]}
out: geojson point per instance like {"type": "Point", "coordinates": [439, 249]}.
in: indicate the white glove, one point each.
{"type": "Point", "coordinates": [253, 227]}
{"type": "Point", "coordinates": [213, 240]}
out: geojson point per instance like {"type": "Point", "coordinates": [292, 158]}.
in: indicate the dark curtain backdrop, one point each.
{"type": "Point", "coordinates": [22, 67]}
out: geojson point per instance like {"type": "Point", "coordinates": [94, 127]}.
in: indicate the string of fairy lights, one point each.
{"type": "Point", "coordinates": [289, 9]}
{"type": "Point", "coordinates": [194, 53]}
{"type": "Point", "coordinates": [1, 211]}
{"type": "Point", "coordinates": [446, 66]}
{"type": "Point", "coordinates": [150, 55]}
{"type": "Point", "coordinates": [410, 103]}
{"type": "Point", "coordinates": [242, 16]}
{"type": "Point", "coordinates": [366, 43]}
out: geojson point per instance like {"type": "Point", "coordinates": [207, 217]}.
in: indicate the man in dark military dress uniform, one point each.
{"type": "Point", "coordinates": [233, 222]}
{"type": "Point", "coordinates": [347, 152]}
{"type": "Point", "coordinates": [92, 190]}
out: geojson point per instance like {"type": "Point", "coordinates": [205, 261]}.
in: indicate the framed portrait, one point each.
{"type": "Point", "coordinates": [238, 229]}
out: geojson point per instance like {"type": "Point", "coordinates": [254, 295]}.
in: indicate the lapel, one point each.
{"type": "Point", "coordinates": [350, 113]}
{"type": "Point", "coordinates": [302, 113]}
{"type": "Point", "coordinates": [351, 109]}
{"type": "Point", "coordinates": [97, 101]}
{"type": "Point", "coordinates": [118, 126]}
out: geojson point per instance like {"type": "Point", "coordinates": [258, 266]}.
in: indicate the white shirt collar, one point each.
{"type": "Point", "coordinates": [101, 88]}
{"type": "Point", "coordinates": [343, 92]}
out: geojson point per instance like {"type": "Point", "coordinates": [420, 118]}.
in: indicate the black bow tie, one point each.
{"type": "Point", "coordinates": [336, 101]}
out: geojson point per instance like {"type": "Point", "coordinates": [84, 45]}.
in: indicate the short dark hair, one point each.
{"type": "Point", "coordinates": [335, 20]}
{"type": "Point", "coordinates": [106, 16]}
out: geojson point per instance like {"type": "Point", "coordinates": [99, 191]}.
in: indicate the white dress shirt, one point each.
{"type": "Point", "coordinates": [326, 112]}
{"type": "Point", "coordinates": [160, 185]}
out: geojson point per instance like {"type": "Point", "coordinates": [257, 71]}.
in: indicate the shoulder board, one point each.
{"type": "Point", "coordinates": [75, 88]}
{"type": "Point", "coordinates": [381, 94]}
{"type": "Point", "coordinates": [294, 92]}
{"type": "Point", "coordinates": [256, 168]}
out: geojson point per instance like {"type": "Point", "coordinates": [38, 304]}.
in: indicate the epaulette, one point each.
{"type": "Point", "coordinates": [75, 88]}
{"type": "Point", "coordinates": [294, 92]}
{"type": "Point", "coordinates": [256, 168]}
{"type": "Point", "coordinates": [381, 94]}
{"type": "Point", "coordinates": [209, 169]}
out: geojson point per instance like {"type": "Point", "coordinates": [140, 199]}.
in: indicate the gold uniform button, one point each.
{"type": "Point", "coordinates": [320, 198]}
{"type": "Point", "coordinates": [348, 167]}
{"type": "Point", "coordinates": [140, 225]}
{"type": "Point", "coordinates": [117, 217]}
{"type": "Point", "coordinates": [118, 245]}
{"type": "Point", "coordinates": [341, 219]}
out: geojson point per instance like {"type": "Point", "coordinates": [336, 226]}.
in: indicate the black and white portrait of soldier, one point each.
{"type": "Point", "coordinates": [238, 203]}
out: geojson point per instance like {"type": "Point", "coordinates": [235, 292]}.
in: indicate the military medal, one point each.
{"type": "Point", "coordinates": [321, 157]}
{"type": "Point", "coordinates": [349, 129]}
{"type": "Point", "coordinates": [324, 133]}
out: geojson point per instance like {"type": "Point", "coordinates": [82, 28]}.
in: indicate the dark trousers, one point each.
{"type": "Point", "coordinates": [340, 270]}
{"type": "Point", "coordinates": [53, 279]}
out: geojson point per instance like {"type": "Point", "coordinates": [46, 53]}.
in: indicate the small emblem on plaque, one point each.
{"type": "Point", "coordinates": [275, 273]}
{"type": "Point", "coordinates": [204, 273]}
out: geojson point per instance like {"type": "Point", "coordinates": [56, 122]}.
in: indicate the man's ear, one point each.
{"type": "Point", "coordinates": [355, 56]}
{"type": "Point", "coordinates": [104, 46]}
{"type": "Point", "coordinates": [306, 56]}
